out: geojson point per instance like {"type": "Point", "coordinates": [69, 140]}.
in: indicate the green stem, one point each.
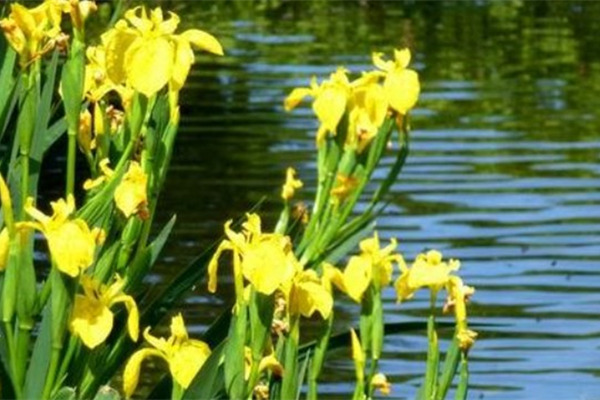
{"type": "Point", "coordinates": [289, 384]}
{"type": "Point", "coordinates": [71, 158]}
{"type": "Point", "coordinates": [52, 370]}
{"type": "Point", "coordinates": [66, 361]}
{"type": "Point", "coordinates": [22, 351]}
{"type": "Point", "coordinates": [10, 343]}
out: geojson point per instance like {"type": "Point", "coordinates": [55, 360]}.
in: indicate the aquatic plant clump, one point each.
{"type": "Point", "coordinates": [71, 322]}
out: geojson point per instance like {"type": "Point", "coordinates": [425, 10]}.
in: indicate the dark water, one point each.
{"type": "Point", "coordinates": [503, 172]}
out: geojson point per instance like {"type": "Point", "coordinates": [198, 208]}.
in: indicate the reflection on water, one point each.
{"type": "Point", "coordinates": [503, 172]}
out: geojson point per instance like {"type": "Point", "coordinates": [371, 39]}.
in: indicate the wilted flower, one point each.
{"type": "Point", "coordinates": [92, 319]}
{"type": "Point", "coordinates": [291, 184]}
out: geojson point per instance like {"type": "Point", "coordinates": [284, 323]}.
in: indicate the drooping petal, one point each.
{"type": "Point", "coordinates": [91, 321]}
{"type": "Point", "coordinates": [131, 375]}
{"type": "Point", "coordinates": [294, 98]}
{"type": "Point", "coordinates": [357, 277]}
{"type": "Point", "coordinates": [133, 315]}
{"type": "Point", "coordinates": [203, 41]}
{"type": "Point", "coordinates": [213, 265]}
{"type": "Point", "coordinates": [187, 361]}
{"type": "Point", "coordinates": [184, 58]}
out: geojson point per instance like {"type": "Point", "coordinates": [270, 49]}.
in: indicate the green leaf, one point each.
{"type": "Point", "coordinates": [463, 382]}
{"type": "Point", "coordinates": [234, 355]}
{"type": "Point", "coordinates": [209, 383]}
{"type": "Point", "coordinates": [449, 369]}
{"type": "Point", "coordinates": [433, 359]}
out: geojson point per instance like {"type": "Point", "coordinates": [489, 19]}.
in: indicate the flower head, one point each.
{"type": "Point", "coordinates": [131, 194]}
{"type": "Point", "coordinates": [370, 107]}
{"type": "Point", "coordinates": [306, 294]}
{"type": "Point", "coordinates": [71, 242]}
{"type": "Point", "coordinates": [374, 265]}
{"type": "Point", "coordinates": [401, 85]}
{"type": "Point", "coordinates": [184, 356]}
{"type": "Point", "coordinates": [266, 260]}
{"type": "Point", "coordinates": [428, 270]}
{"type": "Point", "coordinates": [143, 51]}
{"type": "Point", "coordinates": [330, 101]}
{"type": "Point", "coordinates": [92, 319]}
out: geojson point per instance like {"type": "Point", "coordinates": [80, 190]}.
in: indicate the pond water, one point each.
{"type": "Point", "coordinates": [503, 172]}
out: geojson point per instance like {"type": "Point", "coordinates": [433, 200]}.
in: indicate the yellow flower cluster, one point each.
{"type": "Point", "coordinates": [267, 262]}
{"type": "Point", "coordinates": [366, 100]}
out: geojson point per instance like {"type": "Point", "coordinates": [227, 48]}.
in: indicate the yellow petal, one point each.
{"type": "Point", "coordinates": [358, 356]}
{"type": "Point", "coordinates": [203, 41]}
{"type": "Point", "coordinates": [133, 315]}
{"type": "Point", "coordinates": [117, 43]}
{"type": "Point", "coordinates": [168, 26]}
{"type": "Point", "coordinates": [402, 58]}
{"type": "Point", "coordinates": [184, 58]}
{"type": "Point", "coordinates": [178, 330]}
{"type": "Point", "coordinates": [380, 63]}
{"type": "Point", "coordinates": [330, 106]}
{"type": "Point", "coordinates": [91, 321]}
{"type": "Point", "coordinates": [291, 184]}
{"type": "Point", "coordinates": [131, 374]}
{"type": "Point", "coordinates": [294, 98]}
{"type": "Point", "coordinates": [131, 196]}
{"type": "Point", "coordinates": [187, 361]}
{"type": "Point", "coordinates": [309, 295]}
{"type": "Point", "coordinates": [4, 247]}
{"type": "Point", "coordinates": [72, 246]}
{"type": "Point", "coordinates": [265, 266]}
{"type": "Point", "coordinates": [357, 277]}
{"type": "Point", "coordinates": [213, 265]}
{"type": "Point", "coordinates": [271, 363]}
{"type": "Point", "coordinates": [149, 64]}
{"type": "Point", "coordinates": [402, 89]}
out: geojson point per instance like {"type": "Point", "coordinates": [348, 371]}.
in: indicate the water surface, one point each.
{"type": "Point", "coordinates": [503, 172]}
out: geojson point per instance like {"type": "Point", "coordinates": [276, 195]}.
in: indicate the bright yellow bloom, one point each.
{"type": "Point", "coordinates": [266, 260]}
{"type": "Point", "coordinates": [291, 184]}
{"type": "Point", "coordinates": [71, 242]}
{"type": "Point", "coordinates": [130, 195]}
{"type": "Point", "coordinates": [379, 381]}
{"type": "Point", "coordinates": [369, 110]}
{"type": "Point", "coordinates": [92, 319]}
{"type": "Point", "coordinates": [184, 356]}
{"type": "Point", "coordinates": [32, 32]}
{"type": "Point", "coordinates": [145, 53]}
{"type": "Point", "coordinates": [428, 270]}
{"type": "Point", "coordinates": [307, 294]}
{"type": "Point", "coordinates": [4, 248]}
{"type": "Point", "coordinates": [373, 265]}
{"type": "Point", "coordinates": [330, 101]}
{"type": "Point", "coordinates": [401, 85]}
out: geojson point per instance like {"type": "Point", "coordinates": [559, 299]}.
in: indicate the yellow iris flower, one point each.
{"type": "Point", "coordinates": [291, 184]}
{"type": "Point", "coordinates": [268, 362]}
{"type": "Point", "coordinates": [131, 194]}
{"type": "Point", "coordinates": [458, 294]}
{"type": "Point", "coordinates": [71, 242]}
{"type": "Point", "coordinates": [306, 294]}
{"type": "Point", "coordinates": [265, 260]}
{"type": "Point", "coordinates": [144, 52]}
{"type": "Point", "coordinates": [330, 101]}
{"type": "Point", "coordinates": [92, 319]}
{"type": "Point", "coordinates": [373, 265]}
{"type": "Point", "coordinates": [401, 85]}
{"type": "Point", "coordinates": [370, 107]}
{"type": "Point", "coordinates": [428, 270]}
{"type": "Point", "coordinates": [184, 356]}
{"type": "Point", "coordinates": [32, 32]}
